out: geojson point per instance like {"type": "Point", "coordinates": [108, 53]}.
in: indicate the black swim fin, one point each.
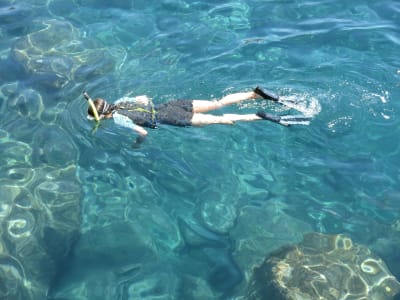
{"type": "Point", "coordinates": [266, 95]}
{"type": "Point", "coordinates": [270, 117]}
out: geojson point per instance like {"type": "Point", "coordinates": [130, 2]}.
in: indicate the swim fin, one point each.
{"type": "Point", "coordinates": [270, 117]}
{"type": "Point", "coordinates": [266, 95]}
{"type": "Point", "coordinates": [284, 120]}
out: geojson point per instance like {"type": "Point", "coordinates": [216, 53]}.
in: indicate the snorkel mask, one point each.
{"type": "Point", "coordinates": [91, 104]}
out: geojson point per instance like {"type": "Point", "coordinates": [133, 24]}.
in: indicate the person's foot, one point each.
{"type": "Point", "coordinates": [265, 94]}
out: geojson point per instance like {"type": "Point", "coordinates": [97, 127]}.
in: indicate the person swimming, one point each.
{"type": "Point", "coordinates": [139, 112]}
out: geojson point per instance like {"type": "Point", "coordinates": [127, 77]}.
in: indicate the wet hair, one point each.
{"type": "Point", "coordinates": [102, 107]}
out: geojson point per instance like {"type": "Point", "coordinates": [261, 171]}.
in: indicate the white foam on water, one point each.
{"type": "Point", "coordinates": [383, 97]}
{"type": "Point", "coordinates": [308, 106]}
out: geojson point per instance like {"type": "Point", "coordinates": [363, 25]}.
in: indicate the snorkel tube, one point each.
{"type": "Point", "coordinates": [91, 104]}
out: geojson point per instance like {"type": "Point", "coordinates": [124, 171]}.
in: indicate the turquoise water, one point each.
{"type": "Point", "coordinates": [193, 210]}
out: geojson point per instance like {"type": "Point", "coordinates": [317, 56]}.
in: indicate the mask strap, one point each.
{"type": "Point", "coordinates": [91, 104]}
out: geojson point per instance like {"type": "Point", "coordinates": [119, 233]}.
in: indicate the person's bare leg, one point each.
{"type": "Point", "coordinates": [200, 106]}
{"type": "Point", "coordinates": [205, 119]}
{"type": "Point", "coordinates": [247, 117]}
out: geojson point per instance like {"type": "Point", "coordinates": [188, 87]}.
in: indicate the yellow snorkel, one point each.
{"type": "Point", "coordinates": [91, 104]}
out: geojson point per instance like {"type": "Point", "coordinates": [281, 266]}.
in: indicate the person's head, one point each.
{"type": "Point", "coordinates": [104, 109]}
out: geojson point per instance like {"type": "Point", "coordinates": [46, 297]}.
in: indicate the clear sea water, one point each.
{"type": "Point", "coordinates": [193, 210]}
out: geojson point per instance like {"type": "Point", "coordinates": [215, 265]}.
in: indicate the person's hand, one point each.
{"type": "Point", "coordinates": [143, 99]}
{"type": "Point", "coordinates": [140, 139]}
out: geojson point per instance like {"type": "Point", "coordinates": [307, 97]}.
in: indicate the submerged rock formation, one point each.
{"type": "Point", "coordinates": [39, 217]}
{"type": "Point", "coordinates": [57, 54]}
{"type": "Point", "coordinates": [323, 267]}
{"type": "Point", "coordinates": [261, 230]}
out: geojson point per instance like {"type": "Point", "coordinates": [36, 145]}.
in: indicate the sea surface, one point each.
{"type": "Point", "coordinates": [86, 215]}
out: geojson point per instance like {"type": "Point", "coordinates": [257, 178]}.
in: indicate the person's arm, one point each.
{"type": "Point", "coordinates": [126, 122]}
{"type": "Point", "coordinates": [139, 129]}
{"type": "Point", "coordinates": [141, 137]}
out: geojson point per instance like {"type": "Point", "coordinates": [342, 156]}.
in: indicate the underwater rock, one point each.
{"type": "Point", "coordinates": [323, 267]}
{"type": "Point", "coordinates": [164, 285]}
{"type": "Point", "coordinates": [396, 225]}
{"type": "Point", "coordinates": [7, 91]}
{"type": "Point", "coordinates": [14, 154]}
{"type": "Point", "coordinates": [53, 146]}
{"type": "Point", "coordinates": [151, 284]}
{"type": "Point", "coordinates": [218, 211]}
{"type": "Point", "coordinates": [196, 288]}
{"type": "Point", "coordinates": [132, 281]}
{"type": "Point", "coordinates": [14, 282]}
{"type": "Point", "coordinates": [62, 7]}
{"type": "Point", "coordinates": [56, 55]}
{"type": "Point", "coordinates": [39, 52]}
{"type": "Point", "coordinates": [10, 14]}
{"type": "Point", "coordinates": [15, 18]}
{"type": "Point", "coordinates": [155, 222]}
{"type": "Point", "coordinates": [224, 274]}
{"type": "Point", "coordinates": [262, 229]}
{"type": "Point", "coordinates": [40, 220]}
{"type": "Point", "coordinates": [387, 246]}
{"type": "Point", "coordinates": [195, 235]}
{"type": "Point", "coordinates": [116, 245]}
{"type": "Point", "coordinates": [27, 103]}
{"type": "Point", "coordinates": [99, 286]}
{"type": "Point", "coordinates": [20, 104]}
{"type": "Point", "coordinates": [115, 254]}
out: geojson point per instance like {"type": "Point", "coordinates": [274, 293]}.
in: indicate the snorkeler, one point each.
{"type": "Point", "coordinates": [139, 112]}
